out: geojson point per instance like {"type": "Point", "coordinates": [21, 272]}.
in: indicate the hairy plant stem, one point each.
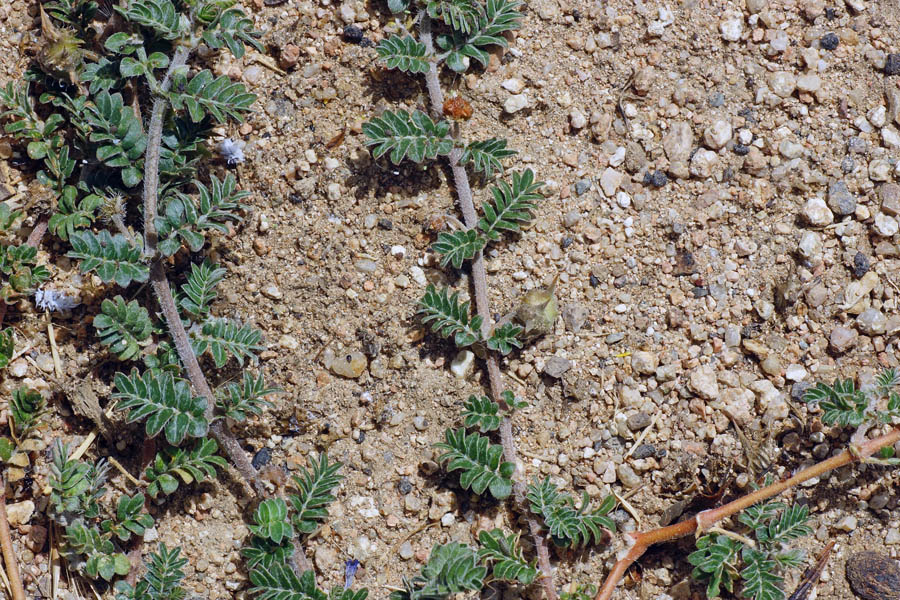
{"type": "Point", "coordinates": [483, 308]}
{"type": "Point", "coordinates": [163, 290]}
{"type": "Point", "coordinates": [705, 520]}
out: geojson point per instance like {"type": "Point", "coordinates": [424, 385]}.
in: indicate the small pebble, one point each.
{"type": "Point", "coordinates": [829, 41]}
{"type": "Point", "coordinates": [261, 458]}
{"type": "Point", "coordinates": [353, 34]}
{"type": "Point", "coordinates": [350, 365]}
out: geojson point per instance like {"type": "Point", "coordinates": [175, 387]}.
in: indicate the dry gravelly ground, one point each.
{"type": "Point", "coordinates": [683, 277]}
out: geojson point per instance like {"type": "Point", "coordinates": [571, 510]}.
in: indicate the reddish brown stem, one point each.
{"type": "Point", "coordinates": [706, 519]}
{"type": "Point", "coordinates": [9, 557]}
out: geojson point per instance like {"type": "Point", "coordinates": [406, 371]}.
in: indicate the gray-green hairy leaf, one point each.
{"type": "Point", "coordinates": [407, 135]}
{"type": "Point", "coordinates": [403, 53]}
{"type": "Point", "coordinates": [123, 327]}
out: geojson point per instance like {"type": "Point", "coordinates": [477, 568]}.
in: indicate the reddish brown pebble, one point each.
{"type": "Point", "coordinates": [290, 55]}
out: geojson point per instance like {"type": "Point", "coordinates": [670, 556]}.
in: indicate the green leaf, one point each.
{"type": "Point", "coordinates": [480, 462]}
{"type": "Point", "coordinates": [512, 205]}
{"type": "Point", "coordinates": [461, 15]}
{"type": "Point", "coordinates": [102, 75]}
{"type": "Point", "coordinates": [452, 568]}
{"type": "Point", "coordinates": [270, 521]}
{"type": "Point", "coordinates": [230, 28]}
{"type": "Point", "coordinates": [511, 402]}
{"type": "Point", "coordinates": [485, 156]}
{"type": "Point", "coordinates": [404, 53]}
{"type": "Point", "coordinates": [111, 256]}
{"type": "Point", "coordinates": [71, 215]}
{"type": "Point", "coordinates": [279, 582]}
{"type": "Point", "coordinates": [165, 402]}
{"type": "Point", "coordinates": [206, 94]}
{"type": "Point", "coordinates": [497, 17]}
{"type": "Point", "coordinates": [790, 525]}
{"type": "Point", "coordinates": [481, 413]}
{"type": "Point", "coordinates": [315, 486]}
{"type": "Point", "coordinates": [117, 131]}
{"type": "Point", "coordinates": [124, 328]}
{"type": "Point", "coordinates": [159, 16]}
{"type": "Point", "coordinates": [504, 552]}
{"type": "Point", "coordinates": [398, 6]}
{"type": "Point", "coordinates": [7, 449]}
{"type": "Point", "coordinates": [237, 401]}
{"type": "Point", "coordinates": [570, 526]}
{"type": "Point", "coordinates": [26, 407]}
{"type": "Point", "coordinates": [75, 486]}
{"type": "Point", "coordinates": [7, 346]}
{"type": "Point", "coordinates": [264, 553]}
{"type": "Point", "coordinates": [224, 337]}
{"type": "Point", "coordinates": [887, 380]}
{"type": "Point", "coordinates": [503, 339]}
{"type": "Point", "coordinates": [196, 464]}
{"type": "Point", "coordinates": [404, 135]}
{"type": "Point", "coordinates": [714, 561]}
{"type": "Point", "coordinates": [8, 217]}
{"type": "Point", "coordinates": [200, 288]}
{"type": "Point", "coordinates": [448, 316]}
{"type": "Point", "coordinates": [129, 519]}
{"type": "Point", "coordinates": [163, 578]}
{"type": "Point", "coordinates": [457, 246]}
{"type": "Point", "coordinates": [101, 558]}
{"type": "Point", "coordinates": [842, 403]}
{"type": "Point", "coordinates": [760, 580]}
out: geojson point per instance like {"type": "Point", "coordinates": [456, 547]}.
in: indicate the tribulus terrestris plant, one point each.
{"type": "Point", "coordinates": [453, 34]}
{"type": "Point", "coordinates": [118, 124]}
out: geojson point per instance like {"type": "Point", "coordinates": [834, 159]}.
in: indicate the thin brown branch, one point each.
{"type": "Point", "coordinates": [705, 520]}
{"type": "Point", "coordinates": [9, 557]}
{"type": "Point", "coordinates": [163, 290]}
{"type": "Point", "coordinates": [483, 308]}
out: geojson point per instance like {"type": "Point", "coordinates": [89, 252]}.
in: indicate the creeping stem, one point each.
{"type": "Point", "coordinates": [163, 290]}
{"type": "Point", "coordinates": [483, 308]}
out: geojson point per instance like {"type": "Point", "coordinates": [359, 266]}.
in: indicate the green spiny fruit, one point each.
{"type": "Point", "coordinates": [61, 53]}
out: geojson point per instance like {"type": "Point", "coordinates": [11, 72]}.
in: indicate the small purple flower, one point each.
{"type": "Point", "coordinates": [350, 567]}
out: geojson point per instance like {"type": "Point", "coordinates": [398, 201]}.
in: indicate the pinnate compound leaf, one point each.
{"type": "Point", "coordinates": [188, 465]}
{"type": "Point", "coordinates": [570, 526]}
{"type": "Point", "coordinates": [279, 582]}
{"type": "Point", "coordinates": [480, 462]}
{"type": "Point", "coordinates": [238, 400]}
{"type": "Point", "coordinates": [160, 16]}
{"type": "Point", "coordinates": [232, 28]}
{"type": "Point", "coordinates": [448, 316]}
{"type": "Point", "coordinates": [842, 403]}
{"type": "Point", "coordinates": [458, 246]}
{"type": "Point", "coordinates": [461, 15]}
{"type": "Point", "coordinates": [503, 339]}
{"type": "Point", "coordinates": [714, 561]}
{"type": "Point", "coordinates": [485, 155]}
{"type": "Point", "coordinates": [72, 215]}
{"type": "Point", "coordinates": [223, 338]}
{"type": "Point", "coordinates": [270, 521]}
{"type": "Point", "coordinates": [761, 582]}
{"type": "Point", "coordinates": [407, 135]}
{"type": "Point", "coordinates": [452, 568]}
{"type": "Point", "coordinates": [790, 525]}
{"type": "Point", "coordinates": [123, 327]}
{"type": "Point", "coordinates": [504, 552]}
{"type": "Point", "coordinates": [206, 94]}
{"type": "Point", "coordinates": [403, 53]}
{"type": "Point", "coordinates": [200, 288]}
{"type": "Point", "coordinates": [164, 401]}
{"type": "Point", "coordinates": [311, 504]}
{"type": "Point", "coordinates": [512, 205]}
{"type": "Point", "coordinates": [111, 256]}
{"type": "Point", "coordinates": [481, 413]}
